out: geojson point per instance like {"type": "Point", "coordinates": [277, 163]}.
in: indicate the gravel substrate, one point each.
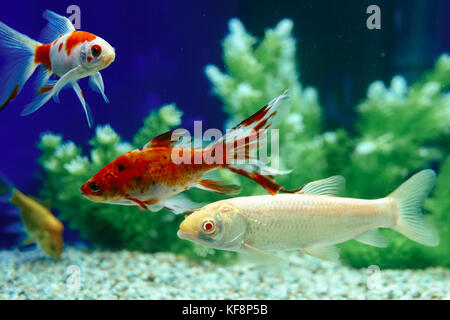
{"type": "Point", "coordinates": [130, 275]}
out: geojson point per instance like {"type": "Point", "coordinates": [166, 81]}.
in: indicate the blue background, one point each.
{"type": "Point", "coordinates": [162, 48]}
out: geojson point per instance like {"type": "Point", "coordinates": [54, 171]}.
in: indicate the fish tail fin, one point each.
{"type": "Point", "coordinates": [18, 52]}
{"type": "Point", "coordinates": [239, 147]}
{"type": "Point", "coordinates": [6, 188]}
{"type": "Point", "coordinates": [410, 197]}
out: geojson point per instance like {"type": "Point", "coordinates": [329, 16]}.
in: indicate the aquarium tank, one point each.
{"type": "Point", "coordinates": [352, 200]}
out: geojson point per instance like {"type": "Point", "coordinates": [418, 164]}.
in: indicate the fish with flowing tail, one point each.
{"type": "Point", "coordinates": [61, 52]}
{"type": "Point", "coordinates": [150, 178]}
{"type": "Point", "coordinates": [312, 220]}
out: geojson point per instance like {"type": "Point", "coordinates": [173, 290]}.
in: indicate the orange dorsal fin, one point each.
{"type": "Point", "coordinates": [163, 140]}
{"type": "Point", "coordinates": [170, 139]}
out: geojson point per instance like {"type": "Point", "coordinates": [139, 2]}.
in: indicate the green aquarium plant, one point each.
{"type": "Point", "coordinates": [256, 73]}
{"type": "Point", "coordinates": [65, 169]}
{"type": "Point", "coordinates": [400, 129]}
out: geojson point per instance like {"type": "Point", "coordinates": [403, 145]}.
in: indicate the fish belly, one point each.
{"type": "Point", "coordinates": [159, 192]}
{"type": "Point", "coordinates": [292, 221]}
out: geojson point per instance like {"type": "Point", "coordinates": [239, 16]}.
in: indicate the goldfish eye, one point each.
{"type": "Point", "coordinates": [208, 226]}
{"type": "Point", "coordinates": [94, 187]}
{"type": "Point", "coordinates": [96, 50]}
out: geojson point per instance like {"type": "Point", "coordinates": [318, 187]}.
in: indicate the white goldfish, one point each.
{"type": "Point", "coordinates": [61, 51]}
{"type": "Point", "coordinates": [312, 220]}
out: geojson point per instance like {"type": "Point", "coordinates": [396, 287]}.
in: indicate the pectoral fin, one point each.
{"type": "Point", "coordinates": [373, 238]}
{"type": "Point", "coordinates": [46, 93]}
{"type": "Point", "coordinates": [96, 84]}
{"type": "Point", "coordinates": [69, 77]}
{"type": "Point", "coordinates": [254, 250]}
{"type": "Point", "coordinates": [181, 204]}
{"type": "Point", "coordinates": [262, 257]}
{"type": "Point", "coordinates": [27, 241]}
{"type": "Point", "coordinates": [330, 253]}
{"type": "Point", "coordinates": [86, 108]}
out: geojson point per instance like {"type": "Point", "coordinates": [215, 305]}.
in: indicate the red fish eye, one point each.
{"type": "Point", "coordinates": [208, 226]}
{"type": "Point", "coordinates": [96, 50]}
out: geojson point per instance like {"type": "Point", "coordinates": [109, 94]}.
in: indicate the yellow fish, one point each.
{"type": "Point", "coordinates": [40, 224]}
{"type": "Point", "coordinates": [312, 220]}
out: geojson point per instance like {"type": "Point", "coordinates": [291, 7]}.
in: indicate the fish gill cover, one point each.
{"type": "Point", "coordinates": [399, 130]}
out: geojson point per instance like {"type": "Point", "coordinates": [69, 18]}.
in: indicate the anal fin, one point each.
{"type": "Point", "coordinates": [27, 241]}
{"type": "Point", "coordinates": [218, 187]}
{"type": "Point", "coordinates": [373, 238]}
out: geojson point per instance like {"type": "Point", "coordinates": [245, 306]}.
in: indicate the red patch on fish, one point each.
{"type": "Point", "coordinates": [76, 38]}
{"type": "Point", "coordinates": [256, 117]}
{"type": "Point", "coordinates": [45, 89]}
{"type": "Point", "coordinates": [42, 55]}
{"type": "Point", "coordinates": [11, 97]}
{"type": "Point", "coordinates": [60, 47]}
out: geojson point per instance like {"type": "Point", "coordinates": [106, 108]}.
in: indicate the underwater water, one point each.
{"type": "Point", "coordinates": [367, 98]}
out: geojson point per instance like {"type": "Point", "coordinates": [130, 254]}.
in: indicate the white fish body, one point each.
{"type": "Point", "coordinates": [312, 220]}
{"type": "Point", "coordinates": [293, 221]}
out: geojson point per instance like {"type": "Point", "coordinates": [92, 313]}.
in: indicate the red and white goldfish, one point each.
{"type": "Point", "coordinates": [312, 220]}
{"type": "Point", "coordinates": [61, 51]}
{"type": "Point", "coordinates": [40, 224]}
{"type": "Point", "coordinates": [149, 178]}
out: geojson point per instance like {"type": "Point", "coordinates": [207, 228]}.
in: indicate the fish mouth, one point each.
{"type": "Point", "coordinates": [83, 193]}
{"type": "Point", "coordinates": [186, 235]}
{"type": "Point", "coordinates": [107, 60]}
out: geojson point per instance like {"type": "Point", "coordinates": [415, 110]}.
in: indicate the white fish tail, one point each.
{"type": "Point", "coordinates": [18, 52]}
{"type": "Point", "coordinates": [409, 198]}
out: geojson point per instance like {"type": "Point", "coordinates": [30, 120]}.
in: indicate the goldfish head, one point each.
{"type": "Point", "coordinates": [218, 225]}
{"type": "Point", "coordinates": [52, 243]}
{"type": "Point", "coordinates": [104, 186]}
{"type": "Point", "coordinates": [97, 54]}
